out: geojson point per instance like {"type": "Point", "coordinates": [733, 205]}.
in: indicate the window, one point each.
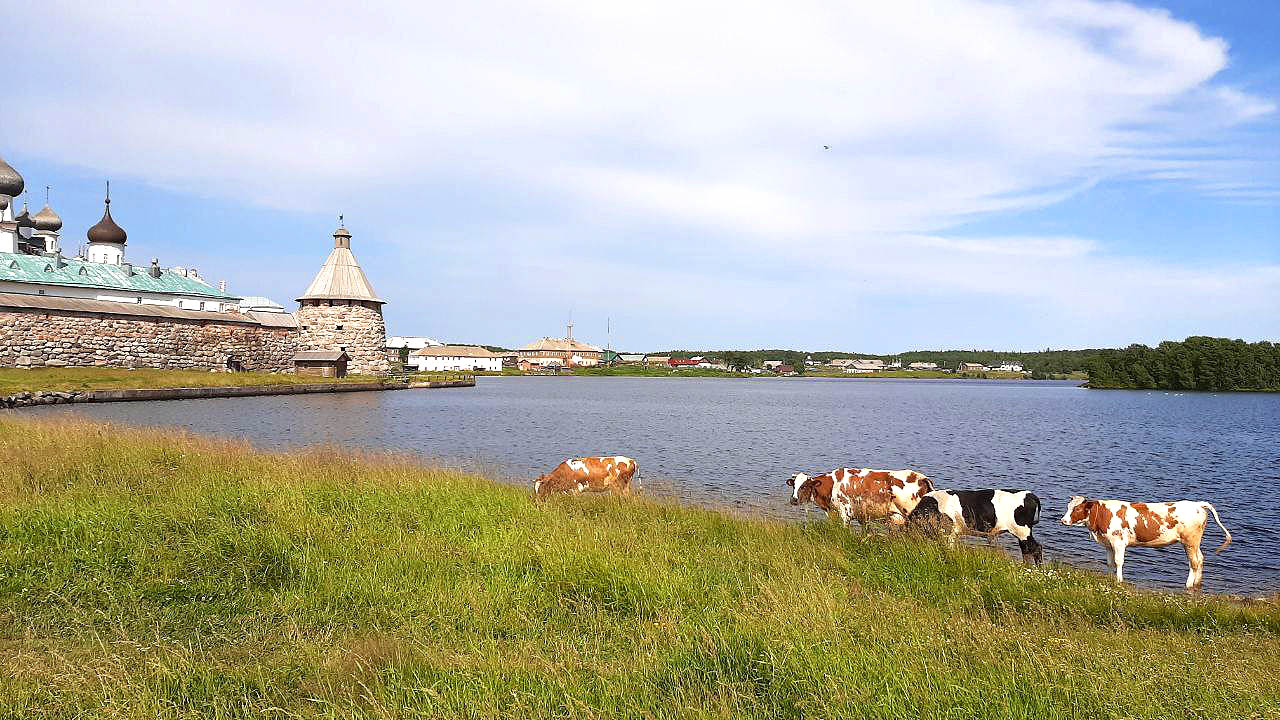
{"type": "Point", "coordinates": [139, 300]}
{"type": "Point", "coordinates": [201, 304]}
{"type": "Point", "coordinates": [339, 327]}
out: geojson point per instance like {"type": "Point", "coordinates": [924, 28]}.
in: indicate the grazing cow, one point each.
{"type": "Point", "coordinates": [863, 494]}
{"type": "Point", "coordinates": [986, 513]}
{"type": "Point", "coordinates": [1116, 525]}
{"type": "Point", "coordinates": [592, 474]}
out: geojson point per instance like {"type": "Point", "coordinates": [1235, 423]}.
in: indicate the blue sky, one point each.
{"type": "Point", "coordinates": [1000, 175]}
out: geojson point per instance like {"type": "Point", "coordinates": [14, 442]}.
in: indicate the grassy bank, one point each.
{"type": "Point", "coordinates": [161, 575]}
{"type": "Point", "coordinates": [13, 380]}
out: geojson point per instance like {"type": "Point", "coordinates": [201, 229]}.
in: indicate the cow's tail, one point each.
{"type": "Point", "coordinates": [1226, 532]}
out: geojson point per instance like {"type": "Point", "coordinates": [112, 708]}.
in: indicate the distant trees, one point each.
{"type": "Point", "coordinates": [1197, 363]}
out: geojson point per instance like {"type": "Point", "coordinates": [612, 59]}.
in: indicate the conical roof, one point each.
{"type": "Point", "coordinates": [11, 182]}
{"type": "Point", "coordinates": [340, 278]}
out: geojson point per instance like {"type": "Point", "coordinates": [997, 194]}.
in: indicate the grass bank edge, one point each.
{"type": "Point", "coordinates": [19, 380]}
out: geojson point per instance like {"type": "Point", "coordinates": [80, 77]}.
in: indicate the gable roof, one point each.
{"type": "Point", "coordinates": [559, 345]}
{"type": "Point", "coordinates": [340, 278]}
{"type": "Point", "coordinates": [453, 351]}
{"type": "Point", "coordinates": [321, 356]}
{"type": "Point", "coordinates": [41, 269]}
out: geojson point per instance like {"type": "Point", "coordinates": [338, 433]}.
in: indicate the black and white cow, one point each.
{"type": "Point", "coordinates": [986, 513]}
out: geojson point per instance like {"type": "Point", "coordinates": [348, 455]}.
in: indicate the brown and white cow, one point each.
{"type": "Point", "coordinates": [862, 494]}
{"type": "Point", "coordinates": [1116, 525]}
{"type": "Point", "coordinates": [591, 474]}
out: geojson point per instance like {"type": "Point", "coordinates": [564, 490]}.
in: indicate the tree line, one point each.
{"type": "Point", "coordinates": [1197, 363]}
{"type": "Point", "coordinates": [1039, 363]}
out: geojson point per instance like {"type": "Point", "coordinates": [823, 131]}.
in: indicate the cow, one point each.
{"type": "Point", "coordinates": [985, 513]}
{"type": "Point", "coordinates": [591, 474]}
{"type": "Point", "coordinates": [1116, 525]}
{"type": "Point", "coordinates": [862, 494]}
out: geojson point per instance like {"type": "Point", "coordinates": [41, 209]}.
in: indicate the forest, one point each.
{"type": "Point", "coordinates": [1197, 363]}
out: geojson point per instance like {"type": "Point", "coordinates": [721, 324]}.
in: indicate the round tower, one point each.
{"type": "Point", "coordinates": [340, 311]}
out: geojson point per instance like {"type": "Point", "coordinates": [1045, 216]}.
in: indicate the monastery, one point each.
{"type": "Point", "coordinates": [99, 309]}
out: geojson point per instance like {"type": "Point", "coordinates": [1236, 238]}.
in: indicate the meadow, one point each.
{"type": "Point", "coordinates": [149, 573]}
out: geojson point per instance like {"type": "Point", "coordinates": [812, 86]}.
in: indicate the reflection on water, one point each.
{"type": "Point", "coordinates": [732, 443]}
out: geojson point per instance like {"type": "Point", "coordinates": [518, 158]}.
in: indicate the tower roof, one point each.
{"type": "Point", "coordinates": [11, 182]}
{"type": "Point", "coordinates": [340, 278]}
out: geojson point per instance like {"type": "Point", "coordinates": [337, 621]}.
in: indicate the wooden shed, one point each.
{"type": "Point", "coordinates": [322, 363]}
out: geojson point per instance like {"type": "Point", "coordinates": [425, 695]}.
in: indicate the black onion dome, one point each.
{"type": "Point", "coordinates": [11, 183]}
{"type": "Point", "coordinates": [24, 218]}
{"type": "Point", "coordinates": [47, 220]}
{"type": "Point", "coordinates": [107, 231]}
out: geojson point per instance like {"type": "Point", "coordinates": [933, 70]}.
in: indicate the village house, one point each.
{"type": "Point", "coordinates": [972, 367]}
{"type": "Point", "coordinates": [922, 366]}
{"type": "Point", "coordinates": [656, 360]}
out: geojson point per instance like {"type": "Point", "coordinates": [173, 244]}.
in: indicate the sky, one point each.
{"type": "Point", "coordinates": [872, 177]}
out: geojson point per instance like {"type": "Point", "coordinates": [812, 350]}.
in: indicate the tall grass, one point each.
{"type": "Point", "coordinates": [148, 574]}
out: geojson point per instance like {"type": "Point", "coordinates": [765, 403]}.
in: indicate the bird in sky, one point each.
{"type": "Point", "coordinates": [826, 147]}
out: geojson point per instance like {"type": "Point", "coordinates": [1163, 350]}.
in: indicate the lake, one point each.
{"type": "Point", "coordinates": [733, 443]}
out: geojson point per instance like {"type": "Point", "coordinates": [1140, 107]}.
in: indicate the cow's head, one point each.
{"type": "Point", "coordinates": [796, 482]}
{"type": "Point", "coordinates": [540, 487]}
{"type": "Point", "coordinates": [1078, 511]}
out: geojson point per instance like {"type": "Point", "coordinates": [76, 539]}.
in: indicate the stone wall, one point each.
{"type": "Point", "coordinates": [351, 325]}
{"type": "Point", "coordinates": [58, 338]}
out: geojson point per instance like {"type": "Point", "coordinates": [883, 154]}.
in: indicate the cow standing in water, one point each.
{"type": "Point", "coordinates": [862, 494]}
{"type": "Point", "coordinates": [592, 474]}
{"type": "Point", "coordinates": [1116, 525]}
{"type": "Point", "coordinates": [985, 513]}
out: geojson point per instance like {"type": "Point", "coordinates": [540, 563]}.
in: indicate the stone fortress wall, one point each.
{"type": "Point", "coordinates": [354, 326]}
{"type": "Point", "coordinates": [62, 338]}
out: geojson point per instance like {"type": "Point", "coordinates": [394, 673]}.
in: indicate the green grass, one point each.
{"type": "Point", "coordinates": [151, 574]}
{"type": "Point", "coordinates": [14, 380]}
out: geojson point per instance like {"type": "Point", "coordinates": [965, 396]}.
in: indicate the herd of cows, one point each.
{"type": "Point", "coordinates": [908, 498]}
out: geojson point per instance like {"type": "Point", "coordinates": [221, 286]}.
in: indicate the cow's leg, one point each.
{"type": "Point", "coordinates": [1195, 558]}
{"type": "Point", "coordinates": [1111, 559]}
{"type": "Point", "coordinates": [1118, 552]}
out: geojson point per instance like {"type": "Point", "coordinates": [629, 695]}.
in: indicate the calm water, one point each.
{"type": "Point", "coordinates": [734, 442]}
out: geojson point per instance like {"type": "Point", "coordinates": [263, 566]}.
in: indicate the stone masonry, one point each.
{"type": "Point", "coordinates": [354, 326]}
{"type": "Point", "coordinates": [58, 338]}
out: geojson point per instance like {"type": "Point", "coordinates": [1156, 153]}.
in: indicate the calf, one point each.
{"type": "Point", "coordinates": [1116, 525]}
{"type": "Point", "coordinates": [592, 474]}
{"type": "Point", "coordinates": [986, 513]}
{"type": "Point", "coordinates": [863, 494]}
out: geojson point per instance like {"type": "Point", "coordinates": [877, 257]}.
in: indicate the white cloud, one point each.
{"type": "Point", "coordinates": [702, 119]}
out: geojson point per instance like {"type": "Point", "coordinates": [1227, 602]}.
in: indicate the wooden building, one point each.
{"type": "Point", "coordinates": [322, 363]}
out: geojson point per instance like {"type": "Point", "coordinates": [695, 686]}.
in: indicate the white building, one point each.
{"type": "Point", "coordinates": [440, 358]}
{"type": "Point", "coordinates": [413, 342]}
{"type": "Point", "coordinates": [1009, 367]}
{"type": "Point", "coordinates": [922, 366]}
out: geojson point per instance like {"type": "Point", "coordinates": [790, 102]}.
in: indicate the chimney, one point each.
{"type": "Point", "coordinates": [128, 268]}
{"type": "Point", "coordinates": [155, 268]}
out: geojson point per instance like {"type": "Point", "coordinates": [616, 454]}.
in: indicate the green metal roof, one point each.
{"type": "Point", "coordinates": [78, 273]}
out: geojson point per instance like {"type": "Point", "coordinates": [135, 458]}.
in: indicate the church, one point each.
{"type": "Point", "coordinates": [99, 309]}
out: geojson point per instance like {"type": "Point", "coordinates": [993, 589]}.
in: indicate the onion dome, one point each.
{"type": "Point", "coordinates": [47, 220]}
{"type": "Point", "coordinates": [11, 182]}
{"type": "Point", "coordinates": [4, 203]}
{"type": "Point", "coordinates": [107, 231]}
{"type": "Point", "coordinates": [24, 218]}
